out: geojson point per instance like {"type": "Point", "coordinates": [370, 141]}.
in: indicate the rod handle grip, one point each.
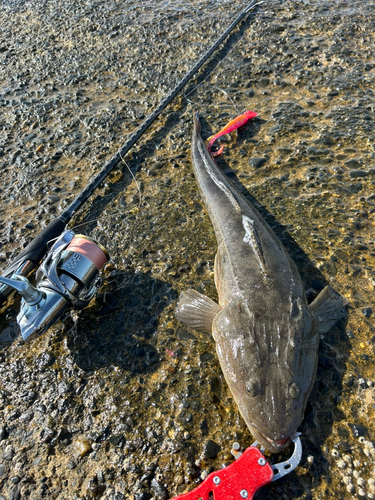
{"type": "Point", "coordinates": [32, 254]}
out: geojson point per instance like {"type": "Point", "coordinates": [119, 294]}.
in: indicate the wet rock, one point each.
{"type": "Point", "coordinates": [354, 174]}
{"type": "Point", "coordinates": [27, 416]}
{"type": "Point", "coordinates": [206, 356]}
{"type": "Point", "coordinates": [355, 187]}
{"type": "Point", "coordinates": [3, 433]}
{"type": "Point", "coordinates": [88, 99]}
{"type": "Point", "coordinates": [53, 198]}
{"type": "Point", "coordinates": [211, 449]}
{"type": "Point", "coordinates": [95, 487]}
{"type": "Point", "coordinates": [158, 489]}
{"type": "Point", "coordinates": [8, 453]}
{"type": "Point", "coordinates": [116, 439]}
{"type": "Point", "coordinates": [142, 496]}
{"type": "Point", "coordinates": [46, 359]}
{"type": "Point", "coordinates": [263, 82]}
{"type": "Point", "coordinates": [183, 334]}
{"type": "Point", "coordinates": [358, 430]}
{"type": "Point", "coordinates": [41, 408]}
{"type": "Point", "coordinates": [15, 493]}
{"type": "Point", "coordinates": [354, 163]}
{"type": "Point", "coordinates": [257, 162]}
{"type": "Point", "coordinates": [327, 141]}
{"type": "Point", "coordinates": [367, 312]}
{"type": "Point", "coordinates": [82, 446]}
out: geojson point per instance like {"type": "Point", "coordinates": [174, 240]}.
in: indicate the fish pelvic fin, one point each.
{"type": "Point", "coordinates": [196, 310]}
{"type": "Point", "coordinates": [328, 307]}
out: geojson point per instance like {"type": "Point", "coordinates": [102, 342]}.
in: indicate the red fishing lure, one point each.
{"type": "Point", "coordinates": [232, 125]}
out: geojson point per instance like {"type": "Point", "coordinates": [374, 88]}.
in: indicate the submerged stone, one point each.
{"type": "Point", "coordinates": [257, 162]}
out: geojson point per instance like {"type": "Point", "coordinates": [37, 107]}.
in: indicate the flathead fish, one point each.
{"type": "Point", "coordinates": [266, 333]}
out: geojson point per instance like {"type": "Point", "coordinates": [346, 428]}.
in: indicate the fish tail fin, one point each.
{"type": "Point", "coordinates": [197, 123]}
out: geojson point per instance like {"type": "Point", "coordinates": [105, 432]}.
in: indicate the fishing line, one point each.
{"type": "Point", "coordinates": [135, 180]}
{"type": "Point", "coordinates": [213, 71]}
{"type": "Point", "coordinates": [73, 228]}
{"type": "Point", "coordinates": [228, 97]}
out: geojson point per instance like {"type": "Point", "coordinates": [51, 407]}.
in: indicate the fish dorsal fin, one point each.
{"type": "Point", "coordinates": [196, 310]}
{"type": "Point", "coordinates": [328, 307]}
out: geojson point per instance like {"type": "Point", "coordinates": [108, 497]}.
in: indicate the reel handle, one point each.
{"type": "Point", "coordinates": [29, 258]}
{"type": "Point", "coordinates": [22, 285]}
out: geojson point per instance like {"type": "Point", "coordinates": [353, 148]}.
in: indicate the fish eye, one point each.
{"type": "Point", "coordinates": [253, 388]}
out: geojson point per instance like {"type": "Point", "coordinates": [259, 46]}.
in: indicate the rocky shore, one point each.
{"type": "Point", "coordinates": [120, 401]}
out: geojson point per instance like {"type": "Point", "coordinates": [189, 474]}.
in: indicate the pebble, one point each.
{"type": "Point", "coordinates": [257, 162]}
{"type": "Point", "coordinates": [8, 453]}
{"type": "Point", "coordinates": [183, 334]}
{"type": "Point", "coordinates": [355, 187]}
{"type": "Point", "coordinates": [142, 496]}
{"type": "Point", "coordinates": [358, 430]}
{"type": "Point", "coordinates": [158, 489]}
{"type": "Point", "coordinates": [82, 446]}
{"type": "Point", "coordinates": [358, 173]}
{"type": "Point", "coordinates": [367, 312]}
{"type": "Point", "coordinates": [263, 82]}
{"type": "Point", "coordinates": [206, 356]}
{"type": "Point", "coordinates": [354, 164]}
{"type": "Point", "coordinates": [211, 449]}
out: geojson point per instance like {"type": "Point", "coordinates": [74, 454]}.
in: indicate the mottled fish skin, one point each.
{"type": "Point", "coordinates": [266, 334]}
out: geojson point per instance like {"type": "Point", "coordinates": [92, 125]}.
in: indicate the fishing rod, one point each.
{"type": "Point", "coordinates": [68, 276]}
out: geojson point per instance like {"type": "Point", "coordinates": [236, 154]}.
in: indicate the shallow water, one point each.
{"type": "Point", "coordinates": [120, 399]}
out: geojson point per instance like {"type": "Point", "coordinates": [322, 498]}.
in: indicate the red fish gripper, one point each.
{"type": "Point", "coordinates": [241, 479]}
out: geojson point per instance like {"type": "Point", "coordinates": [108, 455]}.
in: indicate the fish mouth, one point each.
{"type": "Point", "coordinates": [281, 444]}
{"type": "Point", "coordinates": [272, 445]}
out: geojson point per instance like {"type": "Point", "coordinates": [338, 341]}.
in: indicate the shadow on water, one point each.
{"type": "Point", "coordinates": [119, 330]}
{"type": "Point", "coordinates": [9, 329]}
{"type": "Point", "coordinates": [322, 408]}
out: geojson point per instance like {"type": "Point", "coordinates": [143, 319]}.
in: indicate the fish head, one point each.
{"type": "Point", "coordinates": [269, 362]}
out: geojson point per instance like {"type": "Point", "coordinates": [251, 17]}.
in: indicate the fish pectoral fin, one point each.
{"type": "Point", "coordinates": [196, 310]}
{"type": "Point", "coordinates": [328, 307]}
